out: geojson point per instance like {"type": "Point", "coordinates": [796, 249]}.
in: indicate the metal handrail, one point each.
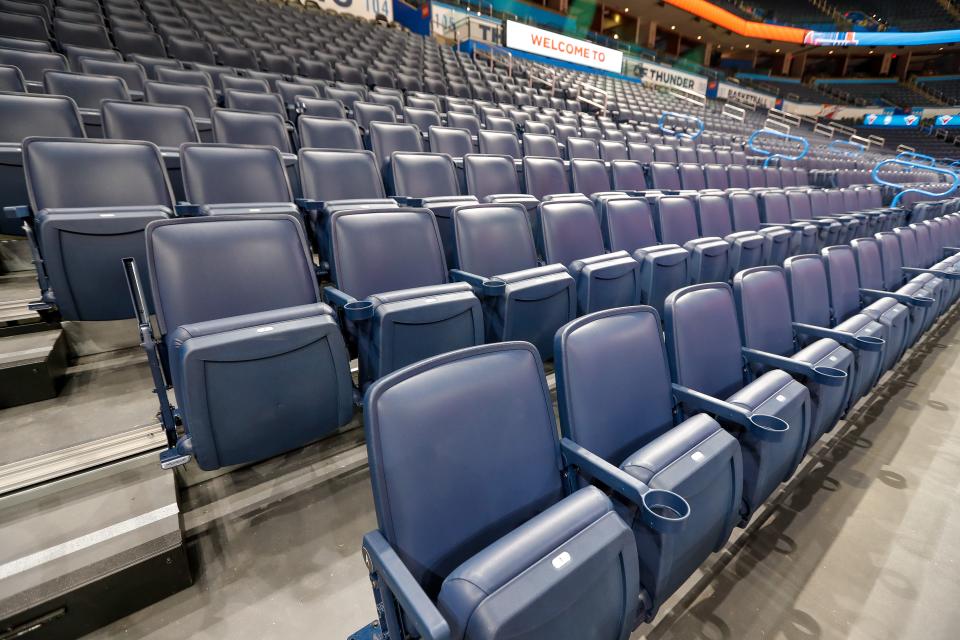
{"type": "Point", "coordinates": [677, 132]}
{"type": "Point", "coordinates": [875, 175]}
{"type": "Point", "coordinates": [773, 155]}
{"type": "Point", "coordinates": [860, 149]}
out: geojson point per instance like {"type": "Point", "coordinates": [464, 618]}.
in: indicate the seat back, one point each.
{"type": "Point", "coordinates": [589, 176]}
{"type": "Point", "coordinates": [581, 148]}
{"type": "Point", "coordinates": [842, 281]}
{"type": "Point", "coordinates": [378, 251]}
{"type": "Point", "coordinates": [435, 530]}
{"type": "Point", "coordinates": [665, 176]}
{"type": "Point", "coordinates": [366, 112]}
{"type": "Point", "coordinates": [198, 99]}
{"type": "Point", "coordinates": [691, 177]}
{"type": "Point", "coordinates": [455, 143]}
{"type": "Point", "coordinates": [541, 145]}
{"type": "Point", "coordinates": [163, 125]}
{"type": "Point", "coordinates": [260, 102]}
{"type": "Point", "coordinates": [744, 212]}
{"type": "Point", "coordinates": [73, 173]}
{"type": "Point", "coordinates": [613, 382]}
{"type": "Point", "coordinates": [493, 239]}
{"type": "Point", "coordinates": [799, 204]}
{"type": "Point", "coordinates": [23, 115]}
{"type": "Point", "coordinates": [713, 216]}
{"type": "Point", "coordinates": [809, 291]}
{"type": "Point", "coordinates": [737, 177]}
{"type": "Point", "coordinates": [329, 133]}
{"type": "Point", "coordinates": [835, 203]}
{"type": "Point", "coordinates": [327, 175]}
{"type": "Point", "coordinates": [11, 80]}
{"type": "Point", "coordinates": [665, 153]}
{"type": "Point", "coordinates": [250, 128]}
{"type": "Point", "coordinates": [774, 207]}
{"type": "Point", "coordinates": [909, 248]}
{"type": "Point", "coordinates": [86, 90]}
{"type": "Point", "coordinates": [763, 305]}
{"type": "Point", "coordinates": [675, 220]}
{"type": "Point", "coordinates": [570, 231]}
{"type": "Point", "coordinates": [627, 225]}
{"type": "Point", "coordinates": [324, 107]}
{"type": "Point", "coordinates": [866, 252]}
{"type": "Point", "coordinates": [388, 137]}
{"type": "Point", "coordinates": [640, 152]}
{"type": "Point", "coordinates": [611, 150]}
{"type": "Point", "coordinates": [490, 174]}
{"type": "Point", "coordinates": [33, 63]}
{"type": "Point", "coordinates": [891, 258]}
{"type": "Point", "coordinates": [422, 118]}
{"type": "Point", "coordinates": [131, 72]}
{"type": "Point", "coordinates": [545, 176]}
{"type": "Point", "coordinates": [703, 339]}
{"type": "Point", "coordinates": [628, 175]}
{"type": "Point", "coordinates": [500, 143]}
{"type": "Point", "coordinates": [424, 175]}
{"type": "Point", "coordinates": [226, 173]}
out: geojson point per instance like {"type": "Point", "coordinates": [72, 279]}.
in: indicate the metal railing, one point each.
{"type": "Point", "coordinates": [734, 112]}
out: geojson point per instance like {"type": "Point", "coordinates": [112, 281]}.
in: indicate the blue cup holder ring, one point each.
{"type": "Point", "coordinates": [358, 310]}
{"type": "Point", "coordinates": [767, 427]}
{"type": "Point", "coordinates": [665, 511]}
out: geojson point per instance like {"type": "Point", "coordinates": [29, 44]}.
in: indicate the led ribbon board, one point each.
{"type": "Point", "coordinates": [889, 120]}
{"type": "Point", "coordinates": [523, 37]}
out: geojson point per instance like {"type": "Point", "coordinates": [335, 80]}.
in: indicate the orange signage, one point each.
{"type": "Point", "coordinates": [738, 25]}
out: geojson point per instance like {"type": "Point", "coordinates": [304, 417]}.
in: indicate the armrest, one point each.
{"type": "Point", "coordinates": [950, 275]}
{"type": "Point", "coordinates": [391, 571]}
{"type": "Point", "coordinates": [479, 284]}
{"type": "Point", "coordinates": [651, 502]}
{"type": "Point", "coordinates": [12, 213]}
{"type": "Point", "coordinates": [762, 426]}
{"type": "Point", "coordinates": [186, 209]}
{"type": "Point", "coordinates": [824, 375]}
{"type": "Point", "coordinates": [534, 272]}
{"type": "Point", "coordinates": [913, 301]}
{"type": "Point", "coordinates": [865, 343]}
{"type": "Point", "coordinates": [353, 309]}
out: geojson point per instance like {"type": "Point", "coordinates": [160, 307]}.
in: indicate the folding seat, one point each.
{"type": "Point", "coordinates": [705, 155]}
{"type": "Point", "coordinates": [455, 143]}
{"type": "Point", "coordinates": [546, 178]}
{"type": "Point", "coordinates": [229, 320]}
{"type": "Point", "coordinates": [467, 121]}
{"type": "Point", "coordinates": [686, 155]}
{"type": "Point", "coordinates": [493, 178]}
{"type": "Point", "coordinates": [386, 138]}
{"type": "Point", "coordinates": [577, 148]}
{"type": "Point", "coordinates": [769, 415]}
{"type": "Point", "coordinates": [33, 64]}
{"type": "Point", "coordinates": [542, 145]}
{"type": "Point", "coordinates": [663, 176]}
{"type": "Point", "coordinates": [166, 126]}
{"type": "Point", "coordinates": [770, 341]}
{"type": "Point", "coordinates": [90, 202]}
{"type": "Point", "coordinates": [569, 234]}
{"type": "Point", "coordinates": [24, 26]}
{"type": "Point", "coordinates": [612, 150]}
{"type": "Point", "coordinates": [398, 307]}
{"type": "Point", "coordinates": [747, 248]}
{"type": "Point", "coordinates": [277, 63]}
{"type": "Point", "coordinates": [775, 211]}
{"type": "Point", "coordinates": [745, 215]}
{"type": "Point", "coordinates": [459, 581]}
{"type": "Point", "coordinates": [290, 91]}
{"type": "Point", "coordinates": [737, 177]}
{"type": "Point", "coordinates": [771, 176]}
{"type": "Point", "coordinates": [75, 54]}
{"type": "Point", "coordinates": [664, 153]}
{"type": "Point", "coordinates": [257, 128]}
{"type": "Point", "coordinates": [84, 35]}
{"type": "Point", "coordinates": [132, 73]}
{"type": "Point", "coordinates": [692, 177]}
{"type": "Point", "coordinates": [347, 73]}
{"type": "Point", "coordinates": [934, 276]}
{"type": "Point", "coordinates": [828, 229]}
{"type": "Point", "coordinates": [429, 180]}
{"type": "Point", "coordinates": [380, 78]}
{"type": "Point", "coordinates": [828, 203]}
{"type": "Point", "coordinates": [495, 254]}
{"type": "Point", "coordinates": [500, 143]}
{"type": "Point", "coordinates": [323, 107]}
{"type": "Point", "coordinates": [724, 156]}
{"type": "Point", "coordinates": [139, 42]}
{"type": "Point", "coordinates": [152, 64]}
{"type": "Point", "coordinates": [715, 177]}
{"type": "Point", "coordinates": [422, 118]}
{"type": "Point", "coordinates": [615, 403]}
{"type": "Point", "coordinates": [87, 91]}
{"type": "Point", "coordinates": [536, 127]}
{"type": "Point", "coordinates": [11, 80]}
{"type": "Point", "coordinates": [900, 279]}
{"type": "Point", "coordinates": [328, 133]}
{"type": "Point", "coordinates": [198, 99]}
{"type": "Point", "coordinates": [316, 69]}
{"type": "Point", "coordinates": [190, 50]}
{"type": "Point", "coordinates": [814, 319]}
{"type": "Point", "coordinates": [675, 221]}
{"type": "Point", "coordinates": [334, 180]}
{"type": "Point", "coordinates": [236, 83]}
{"type": "Point", "coordinates": [366, 112]}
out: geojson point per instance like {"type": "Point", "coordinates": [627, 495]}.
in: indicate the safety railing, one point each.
{"type": "Point", "coordinates": [847, 147]}
{"type": "Point", "coordinates": [602, 106]}
{"type": "Point", "coordinates": [825, 130]}
{"type": "Point", "coordinates": [687, 95]}
{"type": "Point", "coordinates": [776, 125]}
{"type": "Point", "coordinates": [878, 141]}
{"type": "Point", "coordinates": [681, 117]}
{"type": "Point", "coordinates": [904, 190]}
{"type": "Point", "coordinates": [791, 119]}
{"type": "Point", "coordinates": [482, 49]}
{"type": "Point", "coordinates": [860, 140]}
{"type": "Point", "coordinates": [734, 112]}
{"type": "Point", "coordinates": [773, 155]}
{"type": "Point", "coordinates": [905, 147]}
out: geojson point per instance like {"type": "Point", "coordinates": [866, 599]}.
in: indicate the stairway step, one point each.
{"type": "Point", "coordinates": [31, 366]}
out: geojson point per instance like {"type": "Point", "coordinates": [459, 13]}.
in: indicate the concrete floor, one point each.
{"type": "Point", "coordinates": [864, 542]}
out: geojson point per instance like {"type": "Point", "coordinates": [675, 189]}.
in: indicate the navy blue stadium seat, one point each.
{"type": "Point", "coordinates": [747, 248]}
{"type": "Point", "coordinates": [391, 284]}
{"type": "Point", "coordinates": [770, 341]}
{"type": "Point", "coordinates": [230, 320]}
{"type": "Point", "coordinates": [770, 415]}
{"type": "Point", "coordinates": [469, 545]}
{"type": "Point", "coordinates": [615, 400]}
{"type": "Point", "coordinates": [675, 220]}
{"type": "Point", "coordinates": [91, 201]}
{"type": "Point", "coordinates": [495, 254]}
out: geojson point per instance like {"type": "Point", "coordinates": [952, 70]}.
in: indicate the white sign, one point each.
{"type": "Point", "coordinates": [559, 47]}
{"type": "Point", "coordinates": [746, 96]}
{"type": "Point", "coordinates": [451, 22]}
{"type": "Point", "coordinates": [651, 73]}
{"type": "Point", "coordinates": [363, 8]}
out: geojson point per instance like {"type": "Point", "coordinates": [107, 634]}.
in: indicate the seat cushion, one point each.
{"type": "Point", "coordinates": [671, 446]}
{"type": "Point", "coordinates": [760, 390]}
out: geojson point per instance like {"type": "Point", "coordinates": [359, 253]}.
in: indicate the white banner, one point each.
{"type": "Point", "coordinates": [559, 47]}
{"type": "Point", "coordinates": [736, 93]}
{"type": "Point", "coordinates": [363, 8]}
{"type": "Point", "coordinates": [656, 74]}
{"type": "Point", "coordinates": [451, 22]}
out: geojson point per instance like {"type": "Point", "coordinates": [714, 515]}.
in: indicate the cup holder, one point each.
{"type": "Point", "coordinates": [665, 511]}
{"type": "Point", "coordinates": [358, 310]}
{"type": "Point", "coordinates": [494, 287]}
{"type": "Point", "coordinates": [767, 427]}
{"type": "Point", "coordinates": [830, 376]}
{"type": "Point", "coordinates": [870, 343]}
